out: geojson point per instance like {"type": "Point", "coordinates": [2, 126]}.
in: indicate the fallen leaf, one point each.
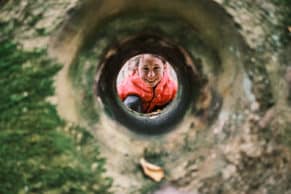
{"type": "Point", "coordinates": [153, 171]}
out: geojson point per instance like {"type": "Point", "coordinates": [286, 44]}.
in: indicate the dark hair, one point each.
{"type": "Point", "coordinates": [154, 55]}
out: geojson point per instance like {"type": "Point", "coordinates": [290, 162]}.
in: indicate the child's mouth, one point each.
{"type": "Point", "coordinates": [151, 81]}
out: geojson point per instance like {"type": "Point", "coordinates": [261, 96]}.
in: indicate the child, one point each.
{"type": "Point", "coordinates": [149, 87]}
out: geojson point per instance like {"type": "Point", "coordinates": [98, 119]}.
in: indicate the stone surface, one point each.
{"type": "Point", "coordinates": [243, 151]}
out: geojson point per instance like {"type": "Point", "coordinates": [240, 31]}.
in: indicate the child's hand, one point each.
{"type": "Point", "coordinates": [155, 112]}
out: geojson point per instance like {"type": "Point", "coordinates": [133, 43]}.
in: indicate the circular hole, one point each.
{"type": "Point", "coordinates": [189, 83]}
{"type": "Point", "coordinates": [147, 84]}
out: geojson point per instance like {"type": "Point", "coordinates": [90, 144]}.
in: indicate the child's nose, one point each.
{"type": "Point", "coordinates": [151, 74]}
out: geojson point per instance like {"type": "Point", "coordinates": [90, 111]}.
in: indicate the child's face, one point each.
{"type": "Point", "coordinates": [151, 69]}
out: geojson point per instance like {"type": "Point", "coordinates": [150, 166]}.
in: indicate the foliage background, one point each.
{"type": "Point", "coordinates": [39, 152]}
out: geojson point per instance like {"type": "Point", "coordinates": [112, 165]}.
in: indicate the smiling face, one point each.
{"type": "Point", "coordinates": [151, 69]}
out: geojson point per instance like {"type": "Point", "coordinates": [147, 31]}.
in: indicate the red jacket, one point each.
{"type": "Point", "coordinates": [162, 94]}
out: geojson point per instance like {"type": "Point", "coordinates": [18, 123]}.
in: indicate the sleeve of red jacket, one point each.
{"type": "Point", "coordinates": [126, 88]}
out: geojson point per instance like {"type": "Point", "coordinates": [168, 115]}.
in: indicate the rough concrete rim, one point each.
{"type": "Point", "coordinates": [230, 49]}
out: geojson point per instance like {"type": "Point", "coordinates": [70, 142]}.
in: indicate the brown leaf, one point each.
{"type": "Point", "coordinates": [153, 171]}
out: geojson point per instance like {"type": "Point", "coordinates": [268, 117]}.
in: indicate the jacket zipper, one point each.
{"type": "Point", "coordinates": [154, 89]}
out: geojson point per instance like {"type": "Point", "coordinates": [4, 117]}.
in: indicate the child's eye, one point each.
{"type": "Point", "coordinates": [145, 69]}
{"type": "Point", "coordinates": [156, 68]}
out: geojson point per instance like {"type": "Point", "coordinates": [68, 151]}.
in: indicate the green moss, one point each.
{"type": "Point", "coordinates": [155, 157]}
{"type": "Point", "coordinates": [285, 135]}
{"type": "Point", "coordinates": [285, 7]}
{"type": "Point", "coordinates": [82, 75]}
{"type": "Point", "coordinates": [149, 188]}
